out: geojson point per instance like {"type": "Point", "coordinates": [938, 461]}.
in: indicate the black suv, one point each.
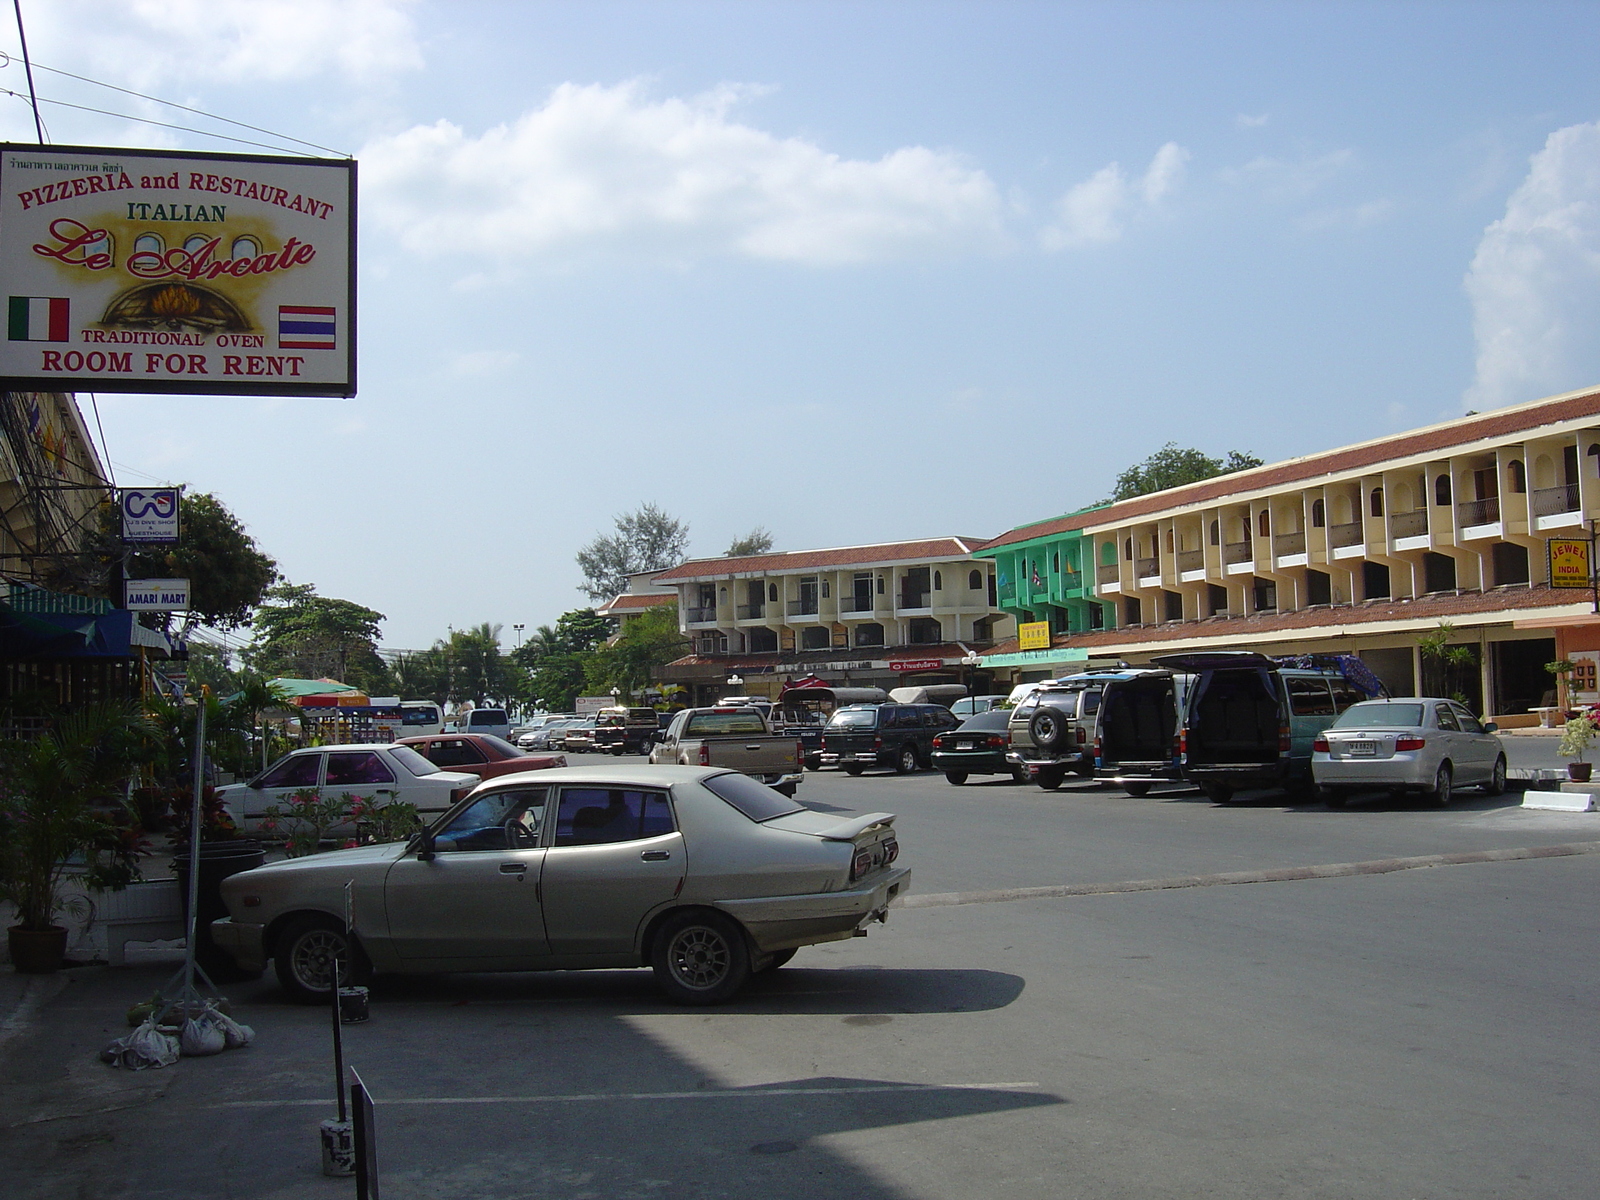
{"type": "Point", "coordinates": [901, 736]}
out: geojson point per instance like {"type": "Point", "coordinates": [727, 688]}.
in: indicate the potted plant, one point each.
{"type": "Point", "coordinates": [1576, 735]}
{"type": "Point", "coordinates": [54, 789]}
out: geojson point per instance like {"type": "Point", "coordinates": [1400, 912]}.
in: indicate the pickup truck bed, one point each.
{"type": "Point", "coordinates": [737, 738]}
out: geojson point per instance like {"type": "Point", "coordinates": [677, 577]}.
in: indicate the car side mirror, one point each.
{"type": "Point", "coordinates": [1491, 727]}
{"type": "Point", "coordinates": [425, 846]}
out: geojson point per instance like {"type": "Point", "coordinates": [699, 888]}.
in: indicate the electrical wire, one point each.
{"type": "Point", "coordinates": [5, 61]}
{"type": "Point", "coordinates": [111, 475]}
{"type": "Point", "coordinates": [27, 66]}
{"type": "Point", "coordinates": [146, 121]}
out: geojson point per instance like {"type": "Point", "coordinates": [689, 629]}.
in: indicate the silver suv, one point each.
{"type": "Point", "coordinates": [1051, 732]}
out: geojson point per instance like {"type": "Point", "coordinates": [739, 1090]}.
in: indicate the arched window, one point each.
{"type": "Point", "coordinates": [1127, 549]}
{"type": "Point", "coordinates": [102, 245]}
{"type": "Point", "coordinates": [194, 241]}
{"type": "Point", "coordinates": [1319, 515]}
{"type": "Point", "coordinates": [1169, 541]}
{"type": "Point", "coordinates": [1263, 523]}
{"type": "Point", "coordinates": [1377, 502]}
{"type": "Point", "coordinates": [974, 581]}
{"type": "Point", "coordinates": [938, 582]}
{"type": "Point", "coordinates": [1216, 533]}
{"type": "Point", "coordinates": [1519, 476]}
{"type": "Point", "coordinates": [1055, 562]}
{"type": "Point", "coordinates": [772, 592]}
{"type": "Point", "coordinates": [245, 247]}
{"type": "Point", "coordinates": [1441, 491]}
{"type": "Point", "coordinates": [148, 243]}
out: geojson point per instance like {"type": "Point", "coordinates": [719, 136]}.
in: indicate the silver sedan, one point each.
{"type": "Point", "coordinates": [702, 874]}
{"type": "Point", "coordinates": [1416, 743]}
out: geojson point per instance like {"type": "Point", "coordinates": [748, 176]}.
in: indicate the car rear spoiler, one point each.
{"type": "Point", "coordinates": [848, 831]}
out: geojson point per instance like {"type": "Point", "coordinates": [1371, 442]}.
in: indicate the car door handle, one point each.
{"type": "Point", "coordinates": [656, 855]}
{"type": "Point", "coordinates": [757, 746]}
{"type": "Point", "coordinates": [513, 868]}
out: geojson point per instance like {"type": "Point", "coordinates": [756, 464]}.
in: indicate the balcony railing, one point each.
{"type": "Point", "coordinates": [750, 612]}
{"type": "Point", "coordinates": [1191, 560]}
{"type": "Point", "coordinates": [915, 599]}
{"type": "Point", "coordinates": [1345, 535]}
{"type": "Point", "coordinates": [696, 615]}
{"type": "Point", "coordinates": [1408, 524]}
{"type": "Point", "coordinates": [855, 604]}
{"type": "Point", "coordinates": [1108, 573]}
{"type": "Point", "coordinates": [1146, 567]}
{"type": "Point", "coordinates": [1007, 594]}
{"type": "Point", "coordinates": [1478, 512]}
{"type": "Point", "coordinates": [1549, 501]}
{"type": "Point", "coordinates": [1289, 543]}
{"type": "Point", "coordinates": [1071, 581]}
{"type": "Point", "coordinates": [802, 608]}
{"type": "Point", "coordinates": [1236, 552]}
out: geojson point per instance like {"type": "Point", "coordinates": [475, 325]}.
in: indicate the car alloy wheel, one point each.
{"type": "Point", "coordinates": [1497, 778]}
{"type": "Point", "coordinates": [700, 958]}
{"type": "Point", "coordinates": [1441, 786]}
{"type": "Point", "coordinates": [907, 762]}
{"type": "Point", "coordinates": [307, 955]}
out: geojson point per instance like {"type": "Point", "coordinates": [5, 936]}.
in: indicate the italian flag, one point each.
{"type": "Point", "coordinates": [38, 319]}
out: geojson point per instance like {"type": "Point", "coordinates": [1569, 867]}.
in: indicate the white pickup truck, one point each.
{"type": "Point", "coordinates": [734, 737]}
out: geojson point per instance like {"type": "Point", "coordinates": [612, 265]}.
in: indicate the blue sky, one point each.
{"type": "Point", "coordinates": [854, 272]}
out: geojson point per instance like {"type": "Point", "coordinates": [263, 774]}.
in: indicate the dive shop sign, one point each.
{"type": "Point", "coordinates": [170, 271]}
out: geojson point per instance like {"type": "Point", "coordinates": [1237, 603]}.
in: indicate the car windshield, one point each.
{"type": "Point", "coordinates": [993, 721]}
{"type": "Point", "coordinates": [505, 748]}
{"type": "Point", "coordinates": [755, 800]}
{"type": "Point", "coordinates": [488, 716]}
{"type": "Point", "coordinates": [857, 717]}
{"type": "Point", "coordinates": [1385, 714]}
{"type": "Point", "coordinates": [733, 722]}
{"type": "Point", "coordinates": [412, 761]}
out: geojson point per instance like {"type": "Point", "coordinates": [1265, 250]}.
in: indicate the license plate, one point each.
{"type": "Point", "coordinates": [1361, 749]}
{"type": "Point", "coordinates": [963, 745]}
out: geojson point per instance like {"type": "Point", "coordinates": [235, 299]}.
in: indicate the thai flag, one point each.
{"type": "Point", "coordinates": [39, 319]}
{"type": "Point", "coordinates": [304, 327]}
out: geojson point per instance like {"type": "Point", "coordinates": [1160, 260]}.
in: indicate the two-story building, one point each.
{"type": "Point", "coordinates": [1363, 548]}
{"type": "Point", "coordinates": [888, 615]}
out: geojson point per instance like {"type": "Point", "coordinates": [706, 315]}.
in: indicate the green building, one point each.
{"type": "Point", "coordinates": [1044, 572]}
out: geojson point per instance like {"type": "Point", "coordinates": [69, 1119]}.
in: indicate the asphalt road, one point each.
{"type": "Point", "coordinates": [1420, 1033]}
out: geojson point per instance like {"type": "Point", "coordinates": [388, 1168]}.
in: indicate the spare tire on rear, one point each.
{"type": "Point", "coordinates": [1048, 729]}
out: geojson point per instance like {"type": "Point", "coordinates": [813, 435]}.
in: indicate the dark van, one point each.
{"type": "Point", "coordinates": [1249, 720]}
{"type": "Point", "coordinates": [901, 736]}
{"type": "Point", "coordinates": [1136, 742]}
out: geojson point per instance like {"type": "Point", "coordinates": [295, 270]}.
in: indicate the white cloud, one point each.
{"type": "Point", "coordinates": [149, 42]}
{"type": "Point", "coordinates": [1097, 209]}
{"type": "Point", "coordinates": [1290, 179]}
{"type": "Point", "coordinates": [1356, 216]}
{"type": "Point", "coordinates": [1534, 282]}
{"type": "Point", "coordinates": [1245, 121]}
{"type": "Point", "coordinates": [673, 179]}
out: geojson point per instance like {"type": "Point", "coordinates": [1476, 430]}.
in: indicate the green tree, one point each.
{"type": "Point", "coordinates": [554, 662]}
{"type": "Point", "coordinates": [302, 635]}
{"type": "Point", "coordinates": [757, 541]}
{"type": "Point", "coordinates": [423, 675]}
{"type": "Point", "coordinates": [1172, 466]}
{"type": "Point", "coordinates": [651, 640]}
{"type": "Point", "coordinates": [477, 666]}
{"type": "Point", "coordinates": [646, 540]}
{"type": "Point", "coordinates": [229, 576]}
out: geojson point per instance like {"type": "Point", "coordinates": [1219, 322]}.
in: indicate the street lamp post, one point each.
{"type": "Point", "coordinates": [972, 662]}
{"type": "Point", "coordinates": [519, 627]}
{"type": "Point", "coordinates": [615, 692]}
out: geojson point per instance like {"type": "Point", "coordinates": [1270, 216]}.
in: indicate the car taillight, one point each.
{"type": "Point", "coordinates": [1320, 745]}
{"type": "Point", "coordinates": [1183, 742]}
{"type": "Point", "coordinates": [1283, 739]}
{"type": "Point", "coordinates": [1083, 736]}
{"type": "Point", "coordinates": [824, 741]}
{"type": "Point", "coordinates": [705, 755]}
{"type": "Point", "coordinates": [860, 864]}
{"type": "Point", "coordinates": [799, 752]}
{"type": "Point", "coordinates": [938, 742]}
{"type": "Point", "coordinates": [996, 740]}
{"type": "Point", "coordinates": [877, 743]}
{"type": "Point", "coordinates": [1410, 743]}
{"type": "Point", "coordinates": [460, 792]}
{"type": "Point", "coordinates": [891, 851]}
{"type": "Point", "coordinates": [1097, 747]}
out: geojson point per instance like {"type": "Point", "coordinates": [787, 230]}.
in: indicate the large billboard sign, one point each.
{"type": "Point", "coordinates": [149, 515]}
{"type": "Point", "coordinates": [170, 271]}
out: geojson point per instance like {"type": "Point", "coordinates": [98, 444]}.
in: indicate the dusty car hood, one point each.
{"type": "Point", "coordinates": [826, 825]}
{"type": "Point", "coordinates": [334, 859]}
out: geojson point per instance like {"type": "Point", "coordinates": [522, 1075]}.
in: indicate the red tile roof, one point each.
{"type": "Point", "coordinates": [1434, 438]}
{"type": "Point", "coordinates": [1320, 621]}
{"type": "Point", "coordinates": [635, 602]}
{"type": "Point", "coordinates": [798, 560]}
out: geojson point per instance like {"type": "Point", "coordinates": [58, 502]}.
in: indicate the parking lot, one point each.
{"type": "Point", "coordinates": [1203, 1022]}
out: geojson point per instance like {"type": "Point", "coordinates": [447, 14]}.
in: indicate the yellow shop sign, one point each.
{"type": "Point", "coordinates": [1035, 635]}
{"type": "Point", "coordinates": [1569, 562]}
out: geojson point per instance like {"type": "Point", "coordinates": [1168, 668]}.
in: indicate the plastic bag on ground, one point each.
{"type": "Point", "coordinates": [145, 1047]}
{"type": "Point", "coordinates": [236, 1034]}
{"type": "Point", "coordinates": [203, 1035]}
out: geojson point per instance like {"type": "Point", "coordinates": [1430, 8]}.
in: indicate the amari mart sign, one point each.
{"type": "Point", "coordinates": [167, 271]}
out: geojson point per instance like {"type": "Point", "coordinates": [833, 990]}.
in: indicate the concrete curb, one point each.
{"type": "Point", "coordinates": [1379, 866]}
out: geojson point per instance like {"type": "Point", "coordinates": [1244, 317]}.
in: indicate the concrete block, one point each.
{"type": "Point", "coordinates": [1562, 801]}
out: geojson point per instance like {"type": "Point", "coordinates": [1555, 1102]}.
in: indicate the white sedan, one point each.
{"type": "Point", "coordinates": [1417, 743]}
{"type": "Point", "coordinates": [382, 773]}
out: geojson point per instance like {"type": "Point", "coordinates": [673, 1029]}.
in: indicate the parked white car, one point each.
{"type": "Point", "coordinates": [381, 773]}
{"type": "Point", "coordinates": [1416, 743]}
